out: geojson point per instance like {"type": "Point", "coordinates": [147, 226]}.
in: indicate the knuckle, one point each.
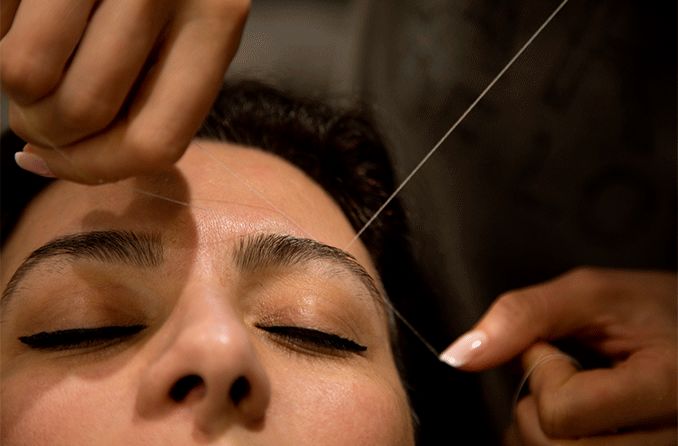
{"type": "Point", "coordinates": [594, 279]}
{"type": "Point", "coordinates": [510, 302]}
{"type": "Point", "coordinates": [25, 78]}
{"type": "Point", "coordinates": [153, 150]}
{"type": "Point", "coordinates": [519, 306]}
{"type": "Point", "coordinates": [87, 111]}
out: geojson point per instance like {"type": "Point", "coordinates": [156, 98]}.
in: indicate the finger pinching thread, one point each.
{"type": "Point", "coordinates": [543, 360]}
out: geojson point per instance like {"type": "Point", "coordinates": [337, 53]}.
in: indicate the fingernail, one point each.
{"type": "Point", "coordinates": [33, 163]}
{"type": "Point", "coordinates": [464, 348]}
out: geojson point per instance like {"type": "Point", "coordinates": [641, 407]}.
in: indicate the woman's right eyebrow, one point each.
{"type": "Point", "coordinates": [110, 246]}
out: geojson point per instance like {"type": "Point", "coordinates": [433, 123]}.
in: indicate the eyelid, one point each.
{"type": "Point", "coordinates": [320, 340]}
{"type": "Point", "coordinates": [75, 338]}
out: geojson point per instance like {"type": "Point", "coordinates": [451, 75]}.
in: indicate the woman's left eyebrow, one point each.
{"type": "Point", "coordinates": [259, 251]}
{"type": "Point", "coordinates": [131, 248]}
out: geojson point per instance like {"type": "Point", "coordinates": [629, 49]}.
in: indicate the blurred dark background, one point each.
{"type": "Point", "coordinates": [570, 160]}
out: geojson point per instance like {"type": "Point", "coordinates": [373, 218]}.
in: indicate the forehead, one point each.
{"type": "Point", "coordinates": [215, 194]}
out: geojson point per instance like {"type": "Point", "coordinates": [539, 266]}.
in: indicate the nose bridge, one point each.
{"type": "Point", "coordinates": [207, 363]}
{"type": "Point", "coordinates": [207, 318]}
{"type": "Point", "coordinates": [212, 337]}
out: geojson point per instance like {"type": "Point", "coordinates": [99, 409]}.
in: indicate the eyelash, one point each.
{"type": "Point", "coordinates": [311, 339]}
{"type": "Point", "coordinates": [78, 338]}
{"type": "Point", "coordinates": [75, 338]}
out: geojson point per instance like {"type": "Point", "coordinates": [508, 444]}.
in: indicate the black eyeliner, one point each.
{"type": "Point", "coordinates": [79, 337]}
{"type": "Point", "coordinates": [316, 337]}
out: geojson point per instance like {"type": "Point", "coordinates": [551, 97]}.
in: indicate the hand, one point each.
{"type": "Point", "coordinates": [119, 87]}
{"type": "Point", "coordinates": [628, 317]}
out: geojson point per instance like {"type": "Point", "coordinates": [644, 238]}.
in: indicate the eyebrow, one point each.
{"type": "Point", "coordinates": [125, 247]}
{"type": "Point", "coordinates": [253, 253]}
{"type": "Point", "coordinates": [261, 251]}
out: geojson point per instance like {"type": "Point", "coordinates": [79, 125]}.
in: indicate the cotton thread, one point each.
{"type": "Point", "coordinates": [543, 360]}
{"type": "Point", "coordinates": [457, 122]}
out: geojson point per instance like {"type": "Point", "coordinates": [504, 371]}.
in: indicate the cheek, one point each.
{"type": "Point", "coordinates": [339, 410]}
{"type": "Point", "coordinates": [41, 409]}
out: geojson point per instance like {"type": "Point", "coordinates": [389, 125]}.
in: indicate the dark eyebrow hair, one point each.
{"type": "Point", "coordinates": [262, 251]}
{"type": "Point", "coordinates": [126, 247]}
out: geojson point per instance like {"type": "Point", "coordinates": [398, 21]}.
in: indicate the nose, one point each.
{"type": "Point", "coordinates": [208, 365]}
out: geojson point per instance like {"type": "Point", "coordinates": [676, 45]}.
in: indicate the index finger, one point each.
{"type": "Point", "coordinates": [520, 318]}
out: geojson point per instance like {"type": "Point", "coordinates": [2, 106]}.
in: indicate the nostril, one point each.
{"type": "Point", "coordinates": [239, 390]}
{"type": "Point", "coordinates": [184, 386]}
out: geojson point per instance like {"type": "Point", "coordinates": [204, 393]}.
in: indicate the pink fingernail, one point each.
{"type": "Point", "coordinates": [464, 348]}
{"type": "Point", "coordinates": [33, 163]}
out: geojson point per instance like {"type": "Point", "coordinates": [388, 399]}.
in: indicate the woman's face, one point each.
{"type": "Point", "coordinates": [139, 320]}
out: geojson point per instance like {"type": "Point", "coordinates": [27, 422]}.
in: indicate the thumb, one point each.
{"type": "Point", "coordinates": [518, 319]}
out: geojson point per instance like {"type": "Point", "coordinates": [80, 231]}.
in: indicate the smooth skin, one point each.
{"type": "Point", "coordinates": [105, 90]}
{"type": "Point", "coordinates": [626, 316]}
{"type": "Point", "coordinates": [202, 314]}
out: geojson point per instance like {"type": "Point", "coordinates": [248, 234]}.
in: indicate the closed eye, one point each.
{"type": "Point", "coordinates": [75, 338]}
{"type": "Point", "coordinates": [314, 339]}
